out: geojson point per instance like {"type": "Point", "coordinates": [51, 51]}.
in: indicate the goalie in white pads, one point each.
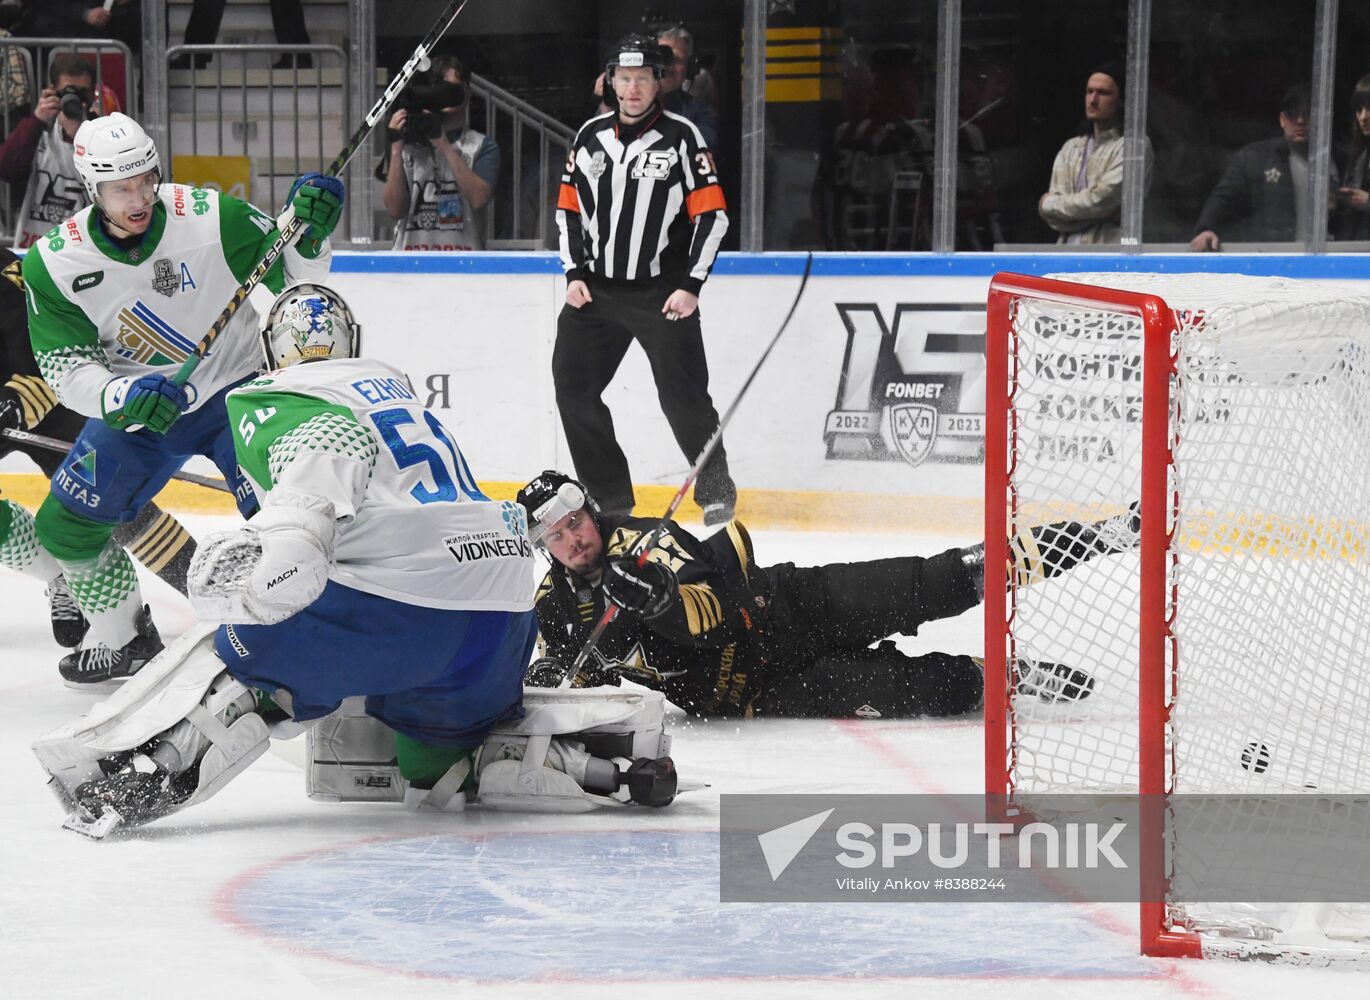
{"type": "Point", "coordinates": [376, 567]}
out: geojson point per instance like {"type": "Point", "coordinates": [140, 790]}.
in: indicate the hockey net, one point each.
{"type": "Point", "coordinates": [1231, 651]}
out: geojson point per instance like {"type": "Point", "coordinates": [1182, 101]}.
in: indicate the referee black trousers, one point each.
{"type": "Point", "coordinates": [591, 344]}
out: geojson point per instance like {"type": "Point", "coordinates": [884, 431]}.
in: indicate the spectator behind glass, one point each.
{"type": "Point", "coordinates": [1084, 198]}
{"type": "Point", "coordinates": [287, 24]}
{"type": "Point", "coordinates": [84, 19]}
{"type": "Point", "coordinates": [15, 99]}
{"type": "Point", "coordinates": [1262, 194]}
{"type": "Point", "coordinates": [674, 96]}
{"type": "Point", "coordinates": [1352, 220]}
{"type": "Point", "coordinates": [873, 188]}
{"type": "Point", "coordinates": [39, 151]}
{"type": "Point", "coordinates": [437, 200]}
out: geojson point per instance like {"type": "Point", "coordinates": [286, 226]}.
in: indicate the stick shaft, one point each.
{"type": "Point", "coordinates": [55, 444]}
{"type": "Point", "coordinates": [610, 608]}
{"type": "Point", "coordinates": [293, 226]}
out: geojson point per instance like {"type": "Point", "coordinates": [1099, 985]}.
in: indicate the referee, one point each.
{"type": "Point", "coordinates": [641, 216]}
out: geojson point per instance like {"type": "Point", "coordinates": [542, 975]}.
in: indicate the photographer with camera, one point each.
{"type": "Point", "coordinates": [39, 150]}
{"type": "Point", "coordinates": [441, 174]}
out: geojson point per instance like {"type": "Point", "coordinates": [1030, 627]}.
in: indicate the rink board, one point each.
{"type": "Point", "coordinates": [868, 414]}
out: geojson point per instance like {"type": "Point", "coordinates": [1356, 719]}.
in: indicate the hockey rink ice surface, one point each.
{"type": "Point", "coordinates": [262, 892]}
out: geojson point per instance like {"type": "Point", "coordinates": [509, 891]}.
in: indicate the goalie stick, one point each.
{"type": "Point", "coordinates": [611, 609]}
{"type": "Point", "coordinates": [53, 444]}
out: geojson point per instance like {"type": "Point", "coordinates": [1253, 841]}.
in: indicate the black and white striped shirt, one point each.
{"type": "Point", "coordinates": [622, 195]}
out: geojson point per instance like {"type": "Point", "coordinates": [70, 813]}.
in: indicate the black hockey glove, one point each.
{"type": "Point", "coordinates": [11, 410]}
{"type": "Point", "coordinates": [545, 672]}
{"type": "Point", "coordinates": [644, 590]}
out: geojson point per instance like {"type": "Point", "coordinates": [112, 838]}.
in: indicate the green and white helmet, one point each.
{"type": "Point", "coordinates": [309, 322]}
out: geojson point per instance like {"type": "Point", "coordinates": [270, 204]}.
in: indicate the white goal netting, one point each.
{"type": "Point", "coordinates": [1267, 573]}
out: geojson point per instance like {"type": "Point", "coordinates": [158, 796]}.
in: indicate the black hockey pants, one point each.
{"type": "Point", "coordinates": [591, 343]}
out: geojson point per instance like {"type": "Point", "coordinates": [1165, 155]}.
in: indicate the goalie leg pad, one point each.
{"type": "Point", "coordinates": [352, 758]}
{"type": "Point", "coordinates": [185, 701]}
{"type": "Point", "coordinates": [561, 756]}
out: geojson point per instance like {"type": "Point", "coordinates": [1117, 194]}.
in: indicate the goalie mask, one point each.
{"type": "Point", "coordinates": [309, 322]}
{"type": "Point", "coordinates": [550, 497]}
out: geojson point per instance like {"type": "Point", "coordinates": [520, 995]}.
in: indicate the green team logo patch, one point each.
{"type": "Point", "coordinates": [201, 199]}
{"type": "Point", "coordinates": [88, 280]}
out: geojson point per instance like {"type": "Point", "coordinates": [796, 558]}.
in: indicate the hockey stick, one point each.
{"type": "Point", "coordinates": [610, 608]}
{"type": "Point", "coordinates": [291, 227]}
{"type": "Point", "coordinates": [53, 444]}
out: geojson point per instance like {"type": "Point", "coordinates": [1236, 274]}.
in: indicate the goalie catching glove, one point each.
{"type": "Point", "coordinates": [274, 567]}
{"type": "Point", "coordinates": [646, 590]}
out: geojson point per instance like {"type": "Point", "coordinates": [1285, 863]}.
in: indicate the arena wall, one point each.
{"type": "Point", "coordinates": [869, 412]}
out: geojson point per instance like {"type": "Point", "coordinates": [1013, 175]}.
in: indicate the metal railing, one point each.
{"type": "Point", "coordinates": [533, 146]}
{"type": "Point", "coordinates": [24, 74]}
{"type": "Point", "coordinates": [243, 100]}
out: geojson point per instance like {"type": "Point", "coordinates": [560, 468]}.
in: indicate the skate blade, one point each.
{"type": "Point", "coordinates": [104, 687]}
{"type": "Point", "coordinates": [684, 785]}
{"type": "Point", "coordinates": [95, 829]}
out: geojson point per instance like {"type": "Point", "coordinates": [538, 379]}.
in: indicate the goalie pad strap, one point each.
{"type": "Point", "coordinates": [447, 792]}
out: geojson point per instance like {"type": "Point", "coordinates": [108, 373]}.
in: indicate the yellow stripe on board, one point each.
{"type": "Point", "coordinates": [768, 510]}
{"type": "Point", "coordinates": [801, 34]}
{"type": "Point", "coordinates": [805, 48]}
{"type": "Point", "coordinates": [802, 89]}
{"type": "Point", "coordinates": [783, 69]}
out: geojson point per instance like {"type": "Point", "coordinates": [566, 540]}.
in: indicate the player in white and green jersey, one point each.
{"type": "Point", "coordinates": [375, 567]}
{"type": "Point", "coordinates": [119, 295]}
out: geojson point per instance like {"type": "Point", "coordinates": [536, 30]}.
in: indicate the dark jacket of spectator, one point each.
{"type": "Point", "coordinates": [1349, 222]}
{"type": "Point", "coordinates": [16, 152]}
{"type": "Point", "coordinates": [1254, 200]}
{"type": "Point", "coordinates": [697, 111]}
{"type": "Point", "coordinates": [83, 19]}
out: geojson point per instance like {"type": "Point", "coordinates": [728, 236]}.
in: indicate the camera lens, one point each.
{"type": "Point", "coordinates": [74, 103]}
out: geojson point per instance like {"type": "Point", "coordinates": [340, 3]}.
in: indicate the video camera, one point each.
{"type": "Point", "coordinates": [424, 104]}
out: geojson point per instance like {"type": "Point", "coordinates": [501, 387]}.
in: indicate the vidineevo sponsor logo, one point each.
{"type": "Point", "coordinates": [480, 545]}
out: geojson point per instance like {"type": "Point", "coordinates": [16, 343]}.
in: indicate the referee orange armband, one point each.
{"type": "Point", "coordinates": [705, 199]}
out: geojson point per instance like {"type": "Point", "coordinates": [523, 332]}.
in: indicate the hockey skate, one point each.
{"type": "Point", "coordinates": [69, 623]}
{"type": "Point", "coordinates": [1053, 682]}
{"type": "Point", "coordinates": [1121, 532]}
{"type": "Point", "coordinates": [137, 786]}
{"type": "Point", "coordinates": [100, 663]}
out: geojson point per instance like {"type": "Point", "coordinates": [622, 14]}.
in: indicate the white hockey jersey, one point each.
{"type": "Point", "coordinates": [415, 525]}
{"type": "Point", "coordinates": [54, 190]}
{"type": "Point", "coordinates": [97, 312]}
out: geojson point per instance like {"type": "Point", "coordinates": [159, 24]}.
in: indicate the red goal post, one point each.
{"type": "Point", "coordinates": [1158, 324]}
{"type": "Point", "coordinates": [1237, 410]}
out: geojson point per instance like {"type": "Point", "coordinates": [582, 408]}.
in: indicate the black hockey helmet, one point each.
{"type": "Point", "coordinates": [547, 499]}
{"type": "Point", "coordinates": [638, 50]}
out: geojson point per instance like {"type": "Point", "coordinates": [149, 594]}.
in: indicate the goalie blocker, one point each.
{"type": "Point", "coordinates": [183, 728]}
